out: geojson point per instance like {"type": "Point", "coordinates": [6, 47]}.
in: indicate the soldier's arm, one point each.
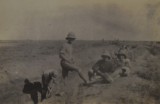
{"type": "Point", "coordinates": [50, 84]}
{"type": "Point", "coordinates": [53, 76]}
{"type": "Point", "coordinates": [95, 67]}
{"type": "Point", "coordinates": [128, 63]}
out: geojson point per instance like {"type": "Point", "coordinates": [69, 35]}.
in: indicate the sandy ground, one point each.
{"type": "Point", "coordinates": [28, 59]}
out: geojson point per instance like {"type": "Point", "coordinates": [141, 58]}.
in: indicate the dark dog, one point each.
{"type": "Point", "coordinates": [32, 89]}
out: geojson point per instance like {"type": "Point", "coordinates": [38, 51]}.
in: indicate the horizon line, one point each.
{"type": "Point", "coordinates": [77, 40]}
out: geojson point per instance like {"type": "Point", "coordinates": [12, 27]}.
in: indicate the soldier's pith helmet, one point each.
{"type": "Point", "coordinates": [71, 35]}
{"type": "Point", "coordinates": [106, 54]}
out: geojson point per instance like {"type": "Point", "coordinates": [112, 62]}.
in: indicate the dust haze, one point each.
{"type": "Point", "coordinates": [90, 20]}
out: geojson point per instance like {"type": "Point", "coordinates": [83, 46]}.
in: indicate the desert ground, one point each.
{"type": "Point", "coordinates": [28, 59]}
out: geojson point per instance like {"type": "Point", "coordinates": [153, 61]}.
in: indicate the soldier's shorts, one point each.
{"type": "Point", "coordinates": [66, 67]}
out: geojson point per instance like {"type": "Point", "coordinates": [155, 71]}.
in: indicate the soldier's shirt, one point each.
{"type": "Point", "coordinates": [104, 66]}
{"type": "Point", "coordinates": [124, 63]}
{"type": "Point", "coordinates": [66, 52]}
{"type": "Point", "coordinates": [49, 75]}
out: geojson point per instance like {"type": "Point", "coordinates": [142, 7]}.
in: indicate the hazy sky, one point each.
{"type": "Point", "coordinates": [88, 19]}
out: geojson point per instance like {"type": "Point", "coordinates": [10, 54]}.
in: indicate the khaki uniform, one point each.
{"type": "Point", "coordinates": [69, 73]}
{"type": "Point", "coordinates": [123, 68]}
{"type": "Point", "coordinates": [67, 61]}
{"type": "Point", "coordinates": [125, 62]}
{"type": "Point", "coordinates": [66, 52]}
{"type": "Point", "coordinates": [104, 66]}
{"type": "Point", "coordinates": [125, 65]}
{"type": "Point", "coordinates": [48, 81]}
{"type": "Point", "coordinates": [103, 69]}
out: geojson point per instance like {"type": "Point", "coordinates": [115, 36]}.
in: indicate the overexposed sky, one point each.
{"type": "Point", "coordinates": [88, 19]}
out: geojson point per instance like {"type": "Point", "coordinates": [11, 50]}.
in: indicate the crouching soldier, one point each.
{"type": "Point", "coordinates": [32, 89]}
{"type": "Point", "coordinates": [103, 68]}
{"type": "Point", "coordinates": [48, 82]}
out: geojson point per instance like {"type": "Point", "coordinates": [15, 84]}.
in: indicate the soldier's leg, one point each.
{"type": "Point", "coordinates": [64, 75]}
{"type": "Point", "coordinates": [106, 77]}
{"type": "Point", "coordinates": [81, 75]}
{"type": "Point", "coordinates": [64, 72]}
{"type": "Point", "coordinates": [50, 88]}
{"type": "Point", "coordinates": [70, 88]}
{"type": "Point", "coordinates": [75, 68]}
{"type": "Point", "coordinates": [116, 73]}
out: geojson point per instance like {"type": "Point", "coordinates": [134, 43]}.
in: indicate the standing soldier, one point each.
{"type": "Point", "coordinates": [67, 61]}
{"type": "Point", "coordinates": [69, 69]}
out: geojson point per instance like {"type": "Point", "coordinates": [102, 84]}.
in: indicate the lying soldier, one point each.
{"type": "Point", "coordinates": [103, 68]}
{"type": "Point", "coordinates": [48, 81]}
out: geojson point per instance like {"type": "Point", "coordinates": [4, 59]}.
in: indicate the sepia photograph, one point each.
{"type": "Point", "coordinates": [79, 51]}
